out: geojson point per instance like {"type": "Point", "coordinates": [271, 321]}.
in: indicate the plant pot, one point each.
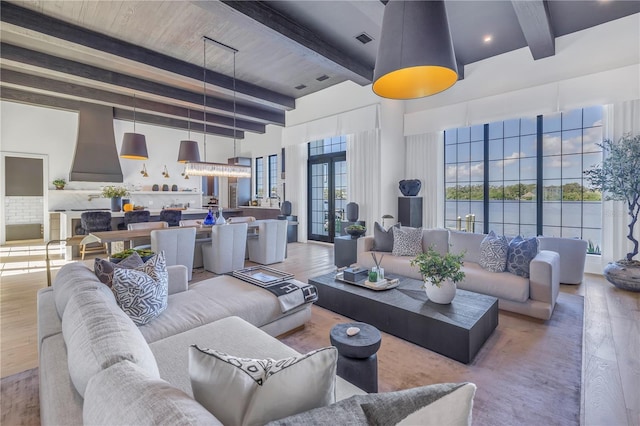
{"type": "Point", "coordinates": [116, 204]}
{"type": "Point", "coordinates": [442, 295]}
{"type": "Point", "coordinates": [624, 276]}
{"type": "Point", "coordinates": [60, 187]}
{"type": "Point", "coordinates": [355, 233]}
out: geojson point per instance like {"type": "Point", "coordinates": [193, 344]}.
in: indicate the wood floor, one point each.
{"type": "Point", "coordinates": [611, 349]}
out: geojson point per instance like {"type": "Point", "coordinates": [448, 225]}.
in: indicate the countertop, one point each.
{"type": "Point", "coordinates": [75, 214]}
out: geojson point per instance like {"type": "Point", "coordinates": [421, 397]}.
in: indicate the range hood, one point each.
{"type": "Point", "coordinates": [96, 157]}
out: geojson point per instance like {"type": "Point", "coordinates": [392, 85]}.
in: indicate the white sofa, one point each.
{"type": "Point", "coordinates": [535, 296]}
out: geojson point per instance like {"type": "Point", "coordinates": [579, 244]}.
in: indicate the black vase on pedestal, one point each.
{"type": "Point", "coordinates": [410, 187]}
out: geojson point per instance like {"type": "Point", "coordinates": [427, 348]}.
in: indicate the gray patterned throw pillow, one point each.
{"type": "Point", "coordinates": [407, 241]}
{"type": "Point", "coordinates": [104, 268]}
{"type": "Point", "coordinates": [142, 292]}
{"type": "Point", "coordinates": [493, 252]}
{"type": "Point", "coordinates": [521, 253]}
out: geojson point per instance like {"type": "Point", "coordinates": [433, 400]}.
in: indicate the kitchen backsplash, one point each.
{"type": "Point", "coordinates": [70, 199]}
{"type": "Point", "coordinates": [20, 210]}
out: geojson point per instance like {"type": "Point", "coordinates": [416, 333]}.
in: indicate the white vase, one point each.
{"type": "Point", "coordinates": [443, 294]}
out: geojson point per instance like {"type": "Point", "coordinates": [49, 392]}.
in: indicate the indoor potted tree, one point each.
{"type": "Point", "coordinates": [440, 274]}
{"type": "Point", "coordinates": [59, 183]}
{"type": "Point", "coordinates": [115, 193]}
{"type": "Point", "coordinates": [619, 179]}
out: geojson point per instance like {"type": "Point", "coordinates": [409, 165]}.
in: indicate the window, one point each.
{"type": "Point", "coordinates": [259, 178]}
{"type": "Point", "coordinates": [273, 175]}
{"type": "Point", "coordinates": [328, 146]}
{"type": "Point", "coordinates": [525, 176]}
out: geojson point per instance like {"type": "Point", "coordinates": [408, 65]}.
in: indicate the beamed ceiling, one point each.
{"type": "Point", "coordinates": [62, 53]}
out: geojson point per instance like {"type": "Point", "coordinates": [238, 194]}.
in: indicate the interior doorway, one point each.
{"type": "Point", "coordinates": [327, 196]}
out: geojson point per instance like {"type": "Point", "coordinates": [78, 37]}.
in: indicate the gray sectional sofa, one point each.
{"type": "Point", "coordinates": [97, 367]}
{"type": "Point", "coordinates": [535, 296]}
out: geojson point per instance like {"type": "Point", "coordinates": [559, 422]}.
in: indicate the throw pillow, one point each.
{"type": "Point", "coordinates": [521, 253]}
{"type": "Point", "coordinates": [383, 238]}
{"type": "Point", "coordinates": [243, 391]}
{"type": "Point", "coordinates": [407, 241]}
{"type": "Point", "coordinates": [104, 268]}
{"type": "Point", "coordinates": [142, 292]}
{"type": "Point", "coordinates": [439, 404]}
{"type": "Point", "coordinates": [493, 252]}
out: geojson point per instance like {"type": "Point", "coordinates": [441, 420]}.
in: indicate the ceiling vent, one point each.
{"type": "Point", "coordinates": [302, 86]}
{"type": "Point", "coordinates": [364, 38]}
{"type": "Point", "coordinates": [322, 77]}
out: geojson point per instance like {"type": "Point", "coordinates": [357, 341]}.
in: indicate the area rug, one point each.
{"type": "Point", "coordinates": [527, 373]}
{"type": "Point", "coordinates": [20, 403]}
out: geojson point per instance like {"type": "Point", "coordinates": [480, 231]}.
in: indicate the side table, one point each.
{"type": "Point", "coordinates": [357, 358]}
{"type": "Point", "coordinates": [345, 251]}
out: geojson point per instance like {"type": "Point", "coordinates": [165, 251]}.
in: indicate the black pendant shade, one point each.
{"type": "Point", "coordinates": [415, 56]}
{"type": "Point", "coordinates": [188, 152]}
{"type": "Point", "coordinates": [134, 147]}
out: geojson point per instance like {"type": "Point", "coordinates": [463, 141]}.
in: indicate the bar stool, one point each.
{"type": "Point", "coordinates": [94, 222]}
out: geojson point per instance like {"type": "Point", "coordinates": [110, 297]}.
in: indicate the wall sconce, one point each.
{"type": "Point", "coordinates": [143, 172]}
{"type": "Point", "coordinates": [184, 173]}
{"type": "Point", "coordinates": [165, 173]}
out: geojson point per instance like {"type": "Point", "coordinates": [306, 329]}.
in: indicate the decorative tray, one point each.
{"type": "Point", "coordinates": [262, 275]}
{"type": "Point", "coordinates": [386, 284]}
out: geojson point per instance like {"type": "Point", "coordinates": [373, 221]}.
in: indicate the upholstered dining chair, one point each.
{"type": "Point", "coordinates": [271, 244]}
{"type": "Point", "coordinates": [197, 249]}
{"type": "Point", "coordinates": [172, 217]}
{"type": "Point", "coordinates": [136, 216]}
{"type": "Point", "coordinates": [145, 243]}
{"type": "Point", "coordinates": [177, 244]}
{"type": "Point", "coordinates": [226, 251]}
{"type": "Point", "coordinates": [94, 222]}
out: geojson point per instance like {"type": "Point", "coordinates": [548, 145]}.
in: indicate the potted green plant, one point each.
{"type": "Point", "coordinates": [59, 183]}
{"type": "Point", "coordinates": [115, 193]}
{"type": "Point", "coordinates": [440, 274]}
{"type": "Point", "coordinates": [355, 230]}
{"type": "Point", "coordinates": [618, 177]}
{"type": "Point", "coordinates": [145, 254]}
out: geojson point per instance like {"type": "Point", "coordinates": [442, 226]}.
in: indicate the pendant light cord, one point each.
{"type": "Point", "coordinates": [204, 94]}
{"type": "Point", "coordinates": [234, 104]}
{"type": "Point", "coordinates": [134, 113]}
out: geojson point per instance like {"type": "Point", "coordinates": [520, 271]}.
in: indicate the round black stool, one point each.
{"type": "Point", "coordinates": [357, 359]}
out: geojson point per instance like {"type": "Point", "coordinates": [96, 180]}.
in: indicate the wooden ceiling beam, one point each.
{"type": "Point", "coordinates": [307, 40]}
{"type": "Point", "coordinates": [77, 69]}
{"type": "Point", "coordinates": [533, 16]}
{"type": "Point", "coordinates": [29, 19]}
{"type": "Point", "coordinates": [41, 99]}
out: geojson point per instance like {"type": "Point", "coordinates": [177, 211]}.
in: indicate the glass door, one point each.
{"type": "Point", "coordinates": [327, 197]}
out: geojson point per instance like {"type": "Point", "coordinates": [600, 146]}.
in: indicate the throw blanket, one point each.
{"type": "Point", "coordinates": [292, 294]}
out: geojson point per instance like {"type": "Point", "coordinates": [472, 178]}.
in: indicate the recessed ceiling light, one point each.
{"type": "Point", "coordinates": [364, 38]}
{"type": "Point", "coordinates": [487, 38]}
{"type": "Point", "coordinates": [300, 87]}
{"type": "Point", "coordinates": [322, 77]}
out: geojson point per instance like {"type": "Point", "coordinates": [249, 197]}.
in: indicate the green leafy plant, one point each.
{"type": "Point", "coordinates": [593, 248]}
{"type": "Point", "coordinates": [59, 183]}
{"type": "Point", "coordinates": [357, 228]}
{"type": "Point", "coordinates": [128, 252]}
{"type": "Point", "coordinates": [114, 191]}
{"type": "Point", "coordinates": [619, 178]}
{"type": "Point", "coordinates": [438, 268]}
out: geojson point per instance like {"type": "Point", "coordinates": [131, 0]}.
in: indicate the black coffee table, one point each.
{"type": "Point", "coordinates": [457, 330]}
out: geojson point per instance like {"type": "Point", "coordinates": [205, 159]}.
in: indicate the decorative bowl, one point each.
{"type": "Point", "coordinates": [355, 230]}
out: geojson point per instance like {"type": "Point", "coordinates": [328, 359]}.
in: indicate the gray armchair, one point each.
{"type": "Point", "coordinates": [271, 244]}
{"type": "Point", "coordinates": [227, 248]}
{"type": "Point", "coordinates": [177, 244]}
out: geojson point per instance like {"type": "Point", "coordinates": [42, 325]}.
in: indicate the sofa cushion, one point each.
{"type": "Point", "coordinates": [103, 268]}
{"type": "Point", "coordinates": [142, 292]}
{"type": "Point", "coordinates": [436, 238]}
{"type": "Point", "coordinates": [255, 391]}
{"type": "Point", "coordinates": [99, 334]}
{"type": "Point", "coordinates": [467, 243]}
{"type": "Point", "coordinates": [521, 253]}
{"type": "Point", "coordinates": [71, 279]}
{"type": "Point", "coordinates": [502, 285]}
{"type": "Point", "coordinates": [493, 252]}
{"type": "Point", "coordinates": [407, 241]}
{"type": "Point", "coordinates": [383, 238]}
{"type": "Point", "coordinates": [124, 394]}
{"type": "Point", "coordinates": [439, 404]}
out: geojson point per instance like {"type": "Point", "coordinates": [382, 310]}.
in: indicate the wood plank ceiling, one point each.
{"type": "Point", "coordinates": [60, 53]}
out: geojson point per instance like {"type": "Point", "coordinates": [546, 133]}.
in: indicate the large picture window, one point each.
{"type": "Point", "coordinates": [259, 177]}
{"type": "Point", "coordinates": [273, 175]}
{"type": "Point", "coordinates": [525, 176]}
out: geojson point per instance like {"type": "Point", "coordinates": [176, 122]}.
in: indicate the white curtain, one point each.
{"type": "Point", "coordinates": [622, 118]}
{"type": "Point", "coordinates": [296, 181]}
{"type": "Point", "coordinates": [363, 175]}
{"type": "Point", "coordinates": [425, 161]}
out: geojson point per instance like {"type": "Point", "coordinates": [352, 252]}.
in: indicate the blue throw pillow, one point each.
{"type": "Point", "coordinates": [494, 251]}
{"type": "Point", "coordinates": [521, 253]}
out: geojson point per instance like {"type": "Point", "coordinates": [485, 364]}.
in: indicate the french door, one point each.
{"type": "Point", "coordinates": [327, 196]}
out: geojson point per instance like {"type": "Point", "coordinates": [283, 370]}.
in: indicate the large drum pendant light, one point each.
{"type": "Point", "coordinates": [415, 55]}
{"type": "Point", "coordinates": [134, 145]}
{"type": "Point", "coordinates": [188, 149]}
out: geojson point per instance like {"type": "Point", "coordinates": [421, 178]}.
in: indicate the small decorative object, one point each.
{"type": "Point", "coordinates": [352, 331]}
{"type": "Point", "coordinates": [174, 187]}
{"type": "Point", "coordinates": [145, 254]}
{"type": "Point", "coordinates": [165, 187]}
{"type": "Point", "coordinates": [285, 209]}
{"type": "Point", "coordinates": [377, 268]}
{"type": "Point", "coordinates": [618, 177]}
{"type": "Point", "coordinates": [355, 274]}
{"type": "Point", "coordinates": [165, 173]}
{"type": "Point", "coordinates": [115, 193]}
{"type": "Point", "coordinates": [355, 230]}
{"type": "Point", "coordinates": [386, 216]}
{"type": "Point", "coordinates": [127, 207]}
{"type": "Point", "coordinates": [254, 203]}
{"type": "Point", "coordinates": [373, 276]}
{"type": "Point", "coordinates": [59, 183]}
{"type": "Point", "coordinates": [410, 187]}
{"type": "Point", "coordinates": [440, 274]}
{"type": "Point", "coordinates": [220, 220]}
{"type": "Point", "coordinates": [210, 220]}
{"type": "Point", "coordinates": [155, 187]}
{"type": "Point", "coordinates": [353, 210]}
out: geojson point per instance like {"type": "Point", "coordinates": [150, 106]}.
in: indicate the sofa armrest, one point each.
{"type": "Point", "coordinates": [365, 244]}
{"type": "Point", "coordinates": [178, 278]}
{"type": "Point", "coordinates": [544, 277]}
